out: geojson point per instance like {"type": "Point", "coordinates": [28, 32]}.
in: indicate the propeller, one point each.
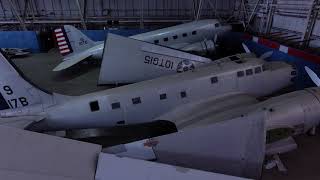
{"type": "Point", "coordinates": [266, 55]}
{"type": "Point", "coordinates": [314, 77]}
{"type": "Point", "coordinates": [246, 49]}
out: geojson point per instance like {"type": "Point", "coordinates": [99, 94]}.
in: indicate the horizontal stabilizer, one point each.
{"type": "Point", "coordinates": [72, 60]}
{"type": "Point", "coordinates": [127, 60]}
{"type": "Point", "coordinates": [21, 122]}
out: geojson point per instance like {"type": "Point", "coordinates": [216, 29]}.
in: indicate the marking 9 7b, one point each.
{"type": "Point", "coordinates": [14, 102]}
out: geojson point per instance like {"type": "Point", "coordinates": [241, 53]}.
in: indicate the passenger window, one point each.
{"type": "Point", "coordinates": [136, 100]}
{"type": "Point", "coordinates": [217, 25]}
{"type": "Point", "coordinates": [115, 105]}
{"type": "Point", "coordinates": [257, 70]}
{"type": "Point", "coordinates": [183, 94]}
{"type": "Point", "coordinates": [163, 96]}
{"type": "Point", "coordinates": [94, 106]}
{"type": "Point", "coordinates": [184, 35]}
{"type": "Point", "coordinates": [175, 37]}
{"type": "Point", "coordinates": [214, 80]}
{"type": "Point", "coordinates": [249, 72]}
{"type": "Point", "coordinates": [165, 39]}
{"type": "Point", "coordinates": [156, 41]}
{"type": "Point", "coordinates": [240, 73]}
{"type": "Point", "coordinates": [194, 32]}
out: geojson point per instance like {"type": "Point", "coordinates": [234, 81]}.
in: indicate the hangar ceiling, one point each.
{"type": "Point", "coordinates": [26, 12]}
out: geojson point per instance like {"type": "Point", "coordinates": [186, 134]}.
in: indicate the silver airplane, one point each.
{"type": "Point", "coordinates": [148, 61]}
{"type": "Point", "coordinates": [31, 107]}
{"type": "Point", "coordinates": [198, 36]}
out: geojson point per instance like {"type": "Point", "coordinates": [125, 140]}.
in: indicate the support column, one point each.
{"type": "Point", "coordinates": [311, 21]}
{"type": "Point", "coordinates": [83, 23]}
{"type": "Point", "coordinates": [272, 9]}
{"type": "Point", "coordinates": [16, 14]}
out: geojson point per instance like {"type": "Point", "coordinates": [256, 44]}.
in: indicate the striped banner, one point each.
{"type": "Point", "coordinates": [63, 43]}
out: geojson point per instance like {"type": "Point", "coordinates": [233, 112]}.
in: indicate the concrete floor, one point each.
{"type": "Point", "coordinates": [78, 80]}
{"type": "Point", "coordinates": [301, 163]}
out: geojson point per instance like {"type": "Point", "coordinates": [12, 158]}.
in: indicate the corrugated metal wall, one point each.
{"type": "Point", "coordinates": [99, 11]}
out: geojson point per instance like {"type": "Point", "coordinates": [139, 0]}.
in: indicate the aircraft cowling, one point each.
{"type": "Point", "coordinates": [203, 47]}
{"type": "Point", "coordinates": [299, 111]}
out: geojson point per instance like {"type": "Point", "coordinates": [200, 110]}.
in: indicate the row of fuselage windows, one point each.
{"type": "Point", "coordinates": [166, 39]}
{"type": "Point", "coordinates": [94, 105]}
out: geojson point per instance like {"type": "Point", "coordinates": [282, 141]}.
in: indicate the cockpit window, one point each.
{"type": "Point", "coordinates": [240, 73]}
{"type": "Point", "coordinates": [249, 72]}
{"type": "Point", "coordinates": [194, 32]}
{"type": "Point", "coordinates": [257, 70]}
{"type": "Point", "coordinates": [264, 67]}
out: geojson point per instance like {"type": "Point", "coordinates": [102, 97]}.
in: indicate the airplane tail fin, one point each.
{"type": "Point", "coordinates": [71, 40]}
{"type": "Point", "coordinates": [15, 90]}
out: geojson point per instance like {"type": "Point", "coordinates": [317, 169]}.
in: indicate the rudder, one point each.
{"type": "Point", "coordinates": [16, 90]}
{"type": "Point", "coordinates": [71, 40]}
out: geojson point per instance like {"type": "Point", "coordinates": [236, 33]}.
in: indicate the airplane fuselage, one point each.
{"type": "Point", "coordinates": [145, 101]}
{"type": "Point", "coordinates": [178, 37]}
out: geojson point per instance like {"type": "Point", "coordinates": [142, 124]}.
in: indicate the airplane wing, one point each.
{"type": "Point", "coordinates": [209, 111]}
{"type": "Point", "coordinates": [72, 60]}
{"type": "Point", "coordinates": [21, 122]}
{"type": "Point", "coordinates": [127, 60]}
{"type": "Point", "coordinates": [110, 167]}
{"type": "Point", "coordinates": [233, 147]}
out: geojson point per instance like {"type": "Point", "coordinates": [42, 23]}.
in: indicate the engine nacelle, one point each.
{"type": "Point", "coordinates": [299, 110]}
{"type": "Point", "coordinates": [203, 47]}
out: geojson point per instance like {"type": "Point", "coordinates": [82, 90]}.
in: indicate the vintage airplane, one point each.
{"type": "Point", "coordinates": [196, 36]}
{"type": "Point", "coordinates": [148, 61]}
{"type": "Point", "coordinates": [33, 108]}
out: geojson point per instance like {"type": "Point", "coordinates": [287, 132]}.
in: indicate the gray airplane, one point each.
{"type": "Point", "coordinates": [198, 36]}
{"type": "Point", "coordinates": [147, 101]}
{"type": "Point", "coordinates": [148, 61]}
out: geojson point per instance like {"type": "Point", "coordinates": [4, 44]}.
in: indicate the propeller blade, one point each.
{"type": "Point", "coordinates": [245, 47]}
{"type": "Point", "coordinates": [314, 77]}
{"type": "Point", "coordinates": [266, 55]}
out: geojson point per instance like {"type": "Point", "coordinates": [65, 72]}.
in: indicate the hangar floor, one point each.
{"type": "Point", "coordinates": [301, 163]}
